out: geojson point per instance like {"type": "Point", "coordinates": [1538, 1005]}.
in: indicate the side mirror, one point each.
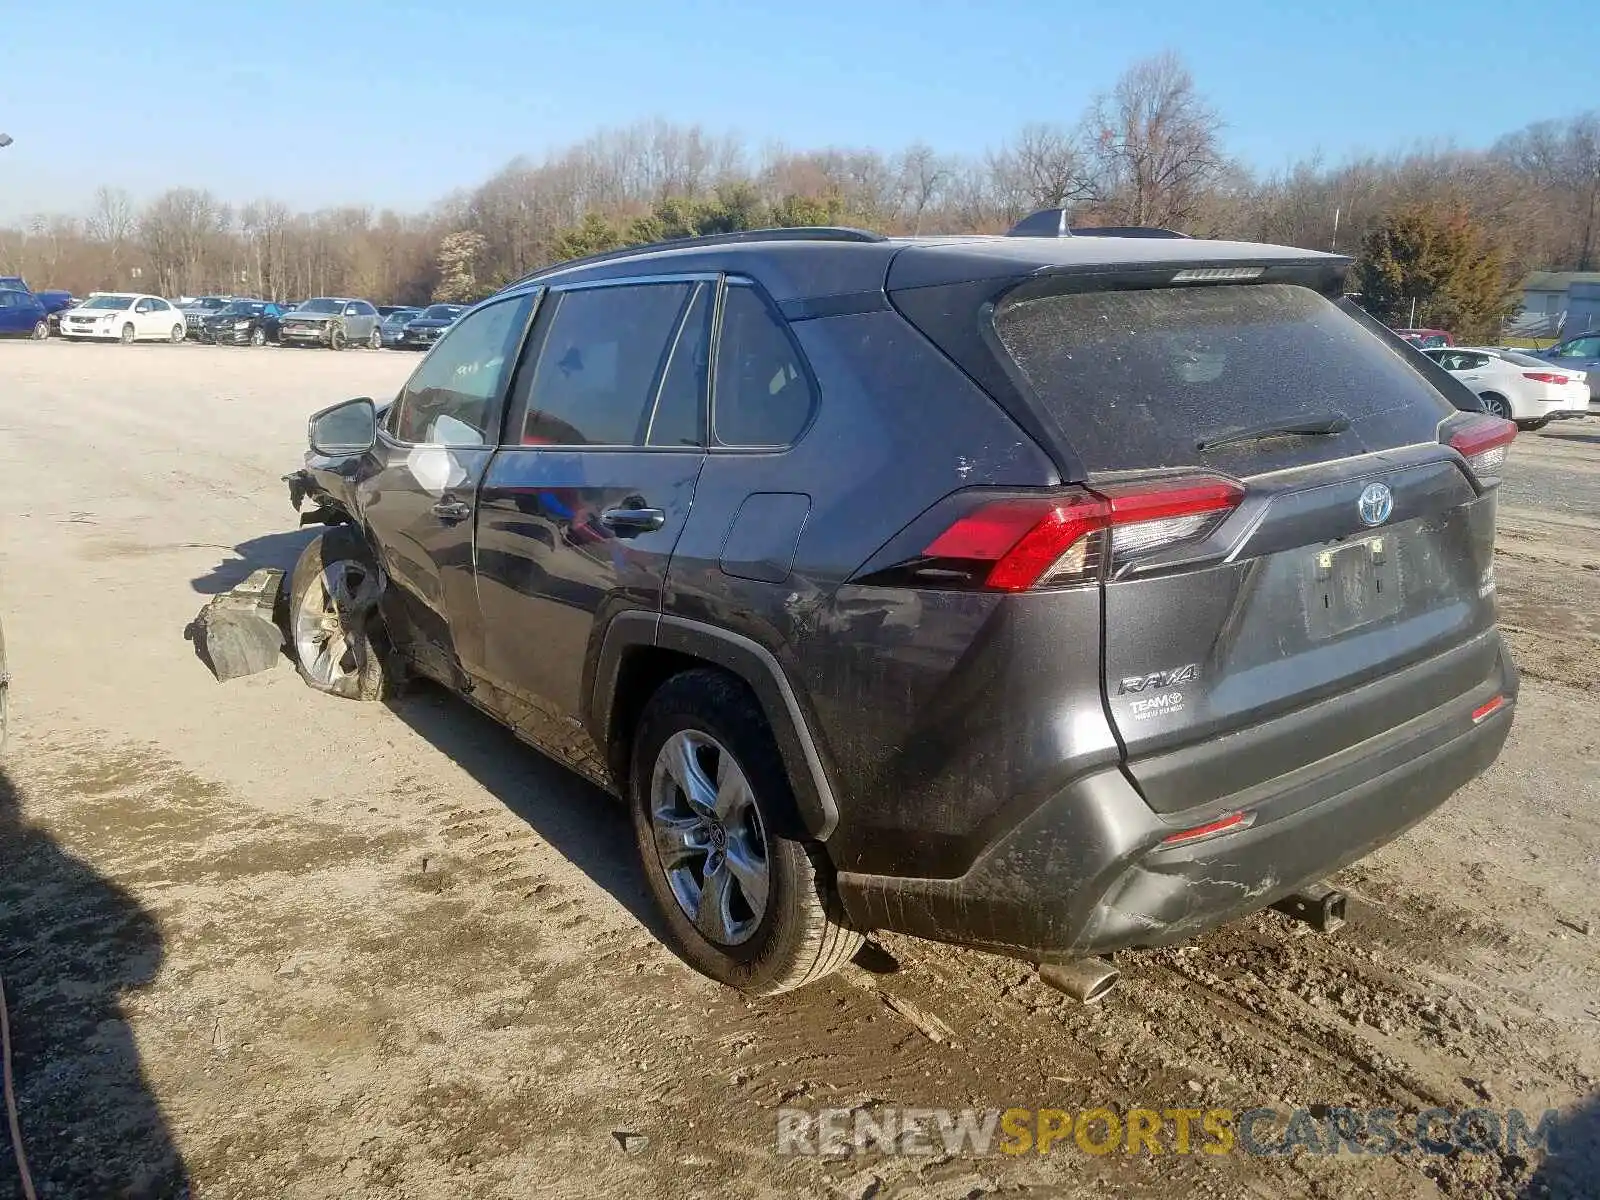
{"type": "Point", "coordinates": [343, 430]}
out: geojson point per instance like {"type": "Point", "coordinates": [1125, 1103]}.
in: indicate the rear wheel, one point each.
{"type": "Point", "coordinates": [1496, 405]}
{"type": "Point", "coordinates": [744, 905]}
{"type": "Point", "coordinates": [41, 330]}
{"type": "Point", "coordinates": [128, 335]}
{"type": "Point", "coordinates": [339, 644]}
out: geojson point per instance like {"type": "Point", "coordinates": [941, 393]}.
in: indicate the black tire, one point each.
{"type": "Point", "coordinates": [41, 330]}
{"type": "Point", "coordinates": [375, 342]}
{"type": "Point", "coordinates": [800, 937]}
{"type": "Point", "coordinates": [128, 334]}
{"type": "Point", "coordinates": [366, 669]}
{"type": "Point", "coordinates": [1496, 405]}
{"type": "Point", "coordinates": [336, 338]}
{"type": "Point", "coordinates": [179, 336]}
{"type": "Point", "coordinates": [258, 336]}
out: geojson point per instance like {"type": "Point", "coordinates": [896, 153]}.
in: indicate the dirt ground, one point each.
{"type": "Point", "coordinates": [262, 943]}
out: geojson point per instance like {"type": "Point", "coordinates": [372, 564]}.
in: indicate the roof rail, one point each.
{"type": "Point", "coordinates": [1053, 222]}
{"type": "Point", "coordinates": [793, 233]}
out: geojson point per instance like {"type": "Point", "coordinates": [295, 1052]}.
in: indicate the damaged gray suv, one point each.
{"type": "Point", "coordinates": [1053, 593]}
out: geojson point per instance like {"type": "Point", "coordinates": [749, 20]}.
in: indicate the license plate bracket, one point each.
{"type": "Point", "coordinates": [1351, 585]}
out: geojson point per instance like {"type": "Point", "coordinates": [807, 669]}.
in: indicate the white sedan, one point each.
{"type": "Point", "coordinates": [1530, 391]}
{"type": "Point", "coordinates": [123, 317]}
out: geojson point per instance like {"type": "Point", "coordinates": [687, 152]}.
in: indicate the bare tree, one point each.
{"type": "Point", "coordinates": [1044, 167]}
{"type": "Point", "coordinates": [1154, 142]}
{"type": "Point", "coordinates": [1563, 157]}
{"type": "Point", "coordinates": [182, 232]}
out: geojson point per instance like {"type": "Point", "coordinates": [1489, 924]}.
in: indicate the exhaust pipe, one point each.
{"type": "Point", "coordinates": [1086, 980]}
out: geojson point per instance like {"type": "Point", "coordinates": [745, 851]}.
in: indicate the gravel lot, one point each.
{"type": "Point", "coordinates": [263, 943]}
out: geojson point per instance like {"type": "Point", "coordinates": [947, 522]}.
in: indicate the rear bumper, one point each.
{"type": "Point", "coordinates": [1087, 872]}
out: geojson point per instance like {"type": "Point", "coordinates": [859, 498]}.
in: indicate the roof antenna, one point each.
{"type": "Point", "coordinates": [1047, 222]}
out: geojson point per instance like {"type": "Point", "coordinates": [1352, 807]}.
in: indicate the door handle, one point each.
{"type": "Point", "coordinates": [627, 521]}
{"type": "Point", "coordinates": [450, 509]}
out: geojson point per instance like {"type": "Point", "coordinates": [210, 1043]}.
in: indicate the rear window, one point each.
{"type": "Point", "coordinates": [1134, 379]}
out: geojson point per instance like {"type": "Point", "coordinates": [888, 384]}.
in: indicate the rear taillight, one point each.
{"type": "Point", "coordinates": [1018, 544]}
{"type": "Point", "coordinates": [1484, 443]}
{"type": "Point", "coordinates": [1546, 377]}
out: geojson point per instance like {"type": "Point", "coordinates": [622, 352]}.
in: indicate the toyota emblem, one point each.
{"type": "Point", "coordinates": [1375, 505]}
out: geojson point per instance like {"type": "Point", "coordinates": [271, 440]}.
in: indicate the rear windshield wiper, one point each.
{"type": "Point", "coordinates": [1316, 425]}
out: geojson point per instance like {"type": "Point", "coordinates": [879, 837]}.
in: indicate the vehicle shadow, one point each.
{"type": "Point", "coordinates": [270, 550]}
{"type": "Point", "coordinates": [1571, 435]}
{"type": "Point", "coordinates": [587, 826]}
{"type": "Point", "coordinates": [1571, 1167]}
{"type": "Point", "coordinates": [71, 943]}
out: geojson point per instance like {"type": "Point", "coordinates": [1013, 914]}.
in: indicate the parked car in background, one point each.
{"type": "Point", "coordinates": [331, 321]}
{"type": "Point", "coordinates": [1426, 339]}
{"type": "Point", "coordinates": [196, 311]}
{"type": "Point", "coordinates": [21, 315]}
{"type": "Point", "coordinates": [423, 331]}
{"type": "Point", "coordinates": [126, 317]}
{"type": "Point", "coordinates": [388, 310]}
{"type": "Point", "coordinates": [242, 323]}
{"type": "Point", "coordinates": [1515, 386]}
{"type": "Point", "coordinates": [1201, 613]}
{"type": "Point", "coordinates": [55, 303]}
{"type": "Point", "coordinates": [393, 326]}
{"type": "Point", "coordinates": [1581, 353]}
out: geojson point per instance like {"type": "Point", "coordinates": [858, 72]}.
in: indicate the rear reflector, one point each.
{"type": "Point", "coordinates": [1059, 540]}
{"type": "Point", "coordinates": [1484, 443]}
{"type": "Point", "coordinates": [1548, 377]}
{"type": "Point", "coordinates": [1238, 820]}
{"type": "Point", "coordinates": [1484, 710]}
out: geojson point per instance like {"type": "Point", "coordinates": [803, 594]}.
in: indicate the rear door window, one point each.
{"type": "Point", "coordinates": [1136, 379]}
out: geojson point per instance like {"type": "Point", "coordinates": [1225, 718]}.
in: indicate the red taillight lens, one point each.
{"type": "Point", "coordinates": [1056, 541]}
{"type": "Point", "coordinates": [1546, 377]}
{"type": "Point", "coordinates": [1484, 443]}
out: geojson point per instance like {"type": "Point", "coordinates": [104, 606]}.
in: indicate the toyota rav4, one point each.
{"type": "Point", "coordinates": [1053, 593]}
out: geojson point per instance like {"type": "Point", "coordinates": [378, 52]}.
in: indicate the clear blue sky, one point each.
{"type": "Point", "coordinates": [396, 103]}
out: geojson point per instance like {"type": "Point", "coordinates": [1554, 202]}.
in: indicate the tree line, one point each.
{"type": "Point", "coordinates": [1450, 230]}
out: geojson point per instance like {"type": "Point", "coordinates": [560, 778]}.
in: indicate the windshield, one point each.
{"type": "Point", "coordinates": [113, 302]}
{"type": "Point", "coordinates": [442, 312]}
{"type": "Point", "coordinates": [1139, 378]}
{"type": "Point", "coordinates": [209, 304]}
{"type": "Point", "coordinates": [321, 306]}
{"type": "Point", "coordinates": [401, 316]}
{"type": "Point", "coordinates": [242, 308]}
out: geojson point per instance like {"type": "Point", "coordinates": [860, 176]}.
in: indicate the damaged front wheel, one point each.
{"type": "Point", "coordinates": [333, 615]}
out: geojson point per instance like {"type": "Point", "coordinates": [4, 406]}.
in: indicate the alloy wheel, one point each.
{"type": "Point", "coordinates": [709, 837]}
{"type": "Point", "coordinates": [327, 615]}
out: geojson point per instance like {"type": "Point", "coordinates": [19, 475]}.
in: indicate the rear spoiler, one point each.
{"type": "Point", "coordinates": [1053, 222]}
